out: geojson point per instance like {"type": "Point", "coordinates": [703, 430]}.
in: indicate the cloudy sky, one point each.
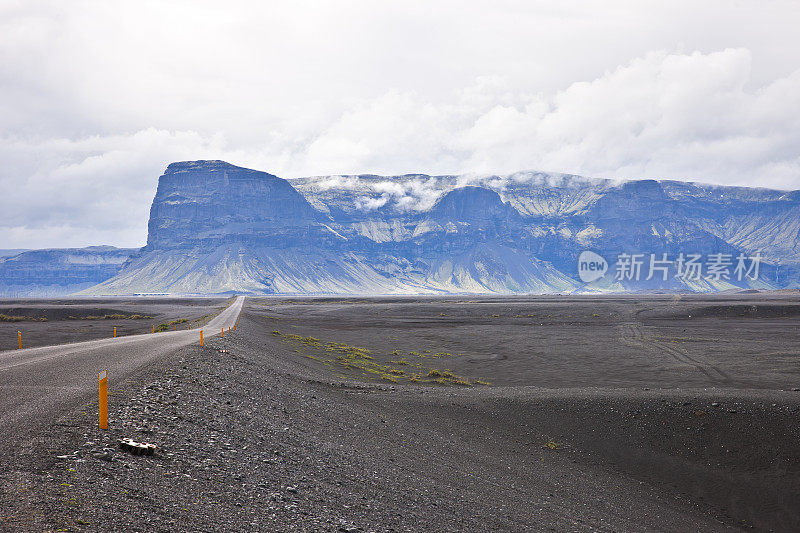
{"type": "Point", "coordinates": [96, 98]}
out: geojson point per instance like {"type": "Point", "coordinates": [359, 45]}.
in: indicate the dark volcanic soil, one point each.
{"type": "Point", "coordinates": [269, 437]}
{"type": "Point", "coordinates": [48, 322]}
{"type": "Point", "coordinates": [730, 341]}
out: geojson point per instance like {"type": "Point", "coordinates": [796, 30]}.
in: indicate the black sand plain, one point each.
{"type": "Point", "coordinates": [617, 413]}
{"type": "Point", "coordinates": [45, 322]}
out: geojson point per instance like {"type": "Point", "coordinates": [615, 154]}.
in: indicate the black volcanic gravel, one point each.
{"type": "Point", "coordinates": [250, 440]}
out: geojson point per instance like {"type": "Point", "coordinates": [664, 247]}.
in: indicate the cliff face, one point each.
{"type": "Point", "coordinates": [217, 228]}
{"type": "Point", "coordinates": [212, 201]}
{"type": "Point", "coordinates": [59, 272]}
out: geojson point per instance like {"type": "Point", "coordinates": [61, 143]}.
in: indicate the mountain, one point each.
{"type": "Point", "coordinates": [11, 251]}
{"type": "Point", "coordinates": [205, 202]}
{"type": "Point", "coordinates": [58, 272]}
{"type": "Point", "coordinates": [217, 228]}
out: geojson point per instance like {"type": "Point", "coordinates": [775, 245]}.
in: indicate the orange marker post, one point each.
{"type": "Point", "coordinates": [201, 337]}
{"type": "Point", "coordinates": [154, 328]}
{"type": "Point", "coordinates": [222, 333]}
{"type": "Point", "coordinates": [104, 400]}
{"type": "Point", "coordinates": [19, 339]}
{"type": "Point", "coordinates": [115, 332]}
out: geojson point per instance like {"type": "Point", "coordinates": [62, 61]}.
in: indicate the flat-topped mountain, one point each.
{"type": "Point", "coordinates": [215, 227]}
{"type": "Point", "coordinates": [58, 272]}
{"type": "Point", "coordinates": [205, 201]}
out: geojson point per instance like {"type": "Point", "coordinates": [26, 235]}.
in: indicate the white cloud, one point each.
{"type": "Point", "coordinates": [96, 190]}
{"type": "Point", "coordinates": [671, 116]}
{"type": "Point", "coordinates": [97, 98]}
{"type": "Point", "coordinates": [368, 204]}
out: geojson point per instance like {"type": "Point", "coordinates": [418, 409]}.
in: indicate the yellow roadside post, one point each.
{"type": "Point", "coordinates": [201, 337]}
{"type": "Point", "coordinates": [103, 400]}
{"type": "Point", "coordinates": [19, 339]}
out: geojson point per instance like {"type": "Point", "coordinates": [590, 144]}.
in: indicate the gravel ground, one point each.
{"type": "Point", "coordinates": [253, 437]}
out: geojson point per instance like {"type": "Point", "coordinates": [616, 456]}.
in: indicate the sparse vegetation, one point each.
{"type": "Point", "coordinates": [446, 377]}
{"type": "Point", "coordinates": [552, 445]}
{"type": "Point", "coordinates": [165, 326]}
{"type": "Point", "coordinates": [361, 361]}
{"type": "Point", "coordinates": [17, 318]}
{"type": "Point", "coordinates": [115, 316]}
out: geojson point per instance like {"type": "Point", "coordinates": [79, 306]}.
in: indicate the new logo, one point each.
{"type": "Point", "coordinates": [591, 266]}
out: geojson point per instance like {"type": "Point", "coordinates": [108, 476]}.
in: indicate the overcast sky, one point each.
{"type": "Point", "coordinates": [96, 98]}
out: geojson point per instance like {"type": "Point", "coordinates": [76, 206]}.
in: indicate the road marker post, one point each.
{"type": "Point", "coordinates": [115, 332]}
{"type": "Point", "coordinates": [154, 328]}
{"type": "Point", "coordinates": [19, 339]}
{"type": "Point", "coordinates": [201, 337]}
{"type": "Point", "coordinates": [222, 333]}
{"type": "Point", "coordinates": [103, 390]}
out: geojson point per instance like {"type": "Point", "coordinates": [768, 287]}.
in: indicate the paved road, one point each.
{"type": "Point", "coordinates": [37, 384]}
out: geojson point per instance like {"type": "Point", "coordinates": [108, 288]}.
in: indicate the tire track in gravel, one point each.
{"type": "Point", "coordinates": [632, 335]}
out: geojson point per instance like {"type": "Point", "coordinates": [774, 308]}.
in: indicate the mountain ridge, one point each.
{"type": "Point", "coordinates": [54, 272]}
{"type": "Point", "coordinates": [216, 227]}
